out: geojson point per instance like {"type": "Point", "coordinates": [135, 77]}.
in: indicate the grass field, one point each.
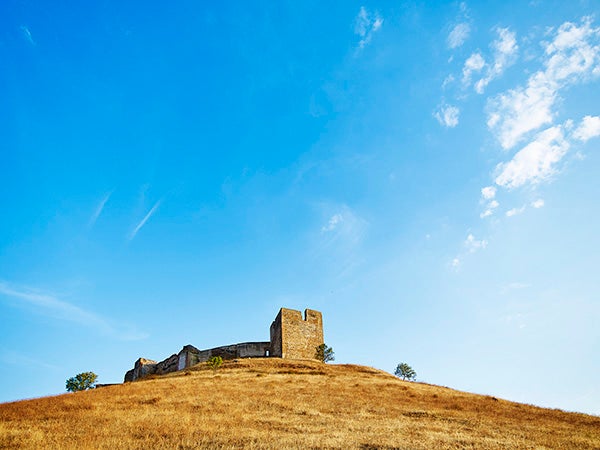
{"type": "Point", "coordinates": [280, 404]}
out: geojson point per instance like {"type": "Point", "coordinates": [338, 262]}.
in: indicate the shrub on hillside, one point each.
{"type": "Point", "coordinates": [405, 372]}
{"type": "Point", "coordinates": [324, 353]}
{"type": "Point", "coordinates": [214, 362]}
{"type": "Point", "coordinates": [82, 382]}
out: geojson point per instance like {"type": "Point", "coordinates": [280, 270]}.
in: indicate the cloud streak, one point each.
{"type": "Point", "coordinates": [27, 34]}
{"type": "Point", "coordinates": [51, 306]}
{"type": "Point", "coordinates": [99, 209]}
{"type": "Point", "coordinates": [458, 35]}
{"type": "Point", "coordinates": [333, 222]}
{"type": "Point", "coordinates": [144, 220]}
{"type": "Point", "coordinates": [365, 25]}
{"type": "Point", "coordinates": [515, 211]}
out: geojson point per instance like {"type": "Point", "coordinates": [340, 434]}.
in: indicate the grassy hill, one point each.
{"type": "Point", "coordinates": [274, 403]}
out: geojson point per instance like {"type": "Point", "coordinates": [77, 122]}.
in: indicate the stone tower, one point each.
{"type": "Point", "coordinates": [295, 337]}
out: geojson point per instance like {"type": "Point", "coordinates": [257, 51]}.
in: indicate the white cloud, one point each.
{"type": "Point", "coordinates": [473, 64]}
{"type": "Point", "coordinates": [488, 192]}
{"type": "Point", "coordinates": [344, 227]}
{"type": "Point", "coordinates": [537, 203]}
{"type": "Point", "coordinates": [338, 246]}
{"type": "Point", "coordinates": [51, 306]}
{"type": "Point", "coordinates": [589, 128]}
{"type": "Point", "coordinates": [27, 34]}
{"type": "Point", "coordinates": [505, 50]}
{"type": "Point", "coordinates": [448, 80]}
{"type": "Point", "coordinates": [365, 25]}
{"type": "Point", "coordinates": [521, 110]}
{"type": "Point", "coordinates": [573, 56]}
{"type": "Point", "coordinates": [455, 263]}
{"type": "Point", "coordinates": [515, 211]}
{"type": "Point", "coordinates": [333, 222]}
{"type": "Point", "coordinates": [472, 244]}
{"type": "Point", "coordinates": [535, 162]}
{"type": "Point", "coordinates": [447, 116]}
{"type": "Point", "coordinates": [491, 206]}
{"type": "Point", "coordinates": [144, 220]}
{"type": "Point", "coordinates": [99, 209]}
{"type": "Point", "coordinates": [458, 35]}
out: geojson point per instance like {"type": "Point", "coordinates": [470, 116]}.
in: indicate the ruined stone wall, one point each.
{"type": "Point", "coordinates": [141, 368]}
{"type": "Point", "coordinates": [295, 337]}
{"type": "Point", "coordinates": [292, 336]}
{"type": "Point", "coordinates": [190, 356]}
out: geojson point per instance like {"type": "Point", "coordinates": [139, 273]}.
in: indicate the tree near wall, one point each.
{"type": "Point", "coordinates": [324, 353]}
{"type": "Point", "coordinates": [214, 362]}
{"type": "Point", "coordinates": [405, 372]}
{"type": "Point", "coordinates": [81, 382]}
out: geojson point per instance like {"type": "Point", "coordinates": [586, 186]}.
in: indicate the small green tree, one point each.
{"type": "Point", "coordinates": [324, 353]}
{"type": "Point", "coordinates": [81, 382]}
{"type": "Point", "coordinates": [405, 372]}
{"type": "Point", "coordinates": [214, 362]}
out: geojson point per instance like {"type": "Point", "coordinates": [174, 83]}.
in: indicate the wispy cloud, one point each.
{"type": "Point", "coordinates": [515, 211]}
{"type": "Point", "coordinates": [589, 128]}
{"type": "Point", "coordinates": [99, 209]}
{"type": "Point", "coordinates": [539, 203]}
{"type": "Point", "coordinates": [18, 359]}
{"type": "Point", "coordinates": [338, 245]}
{"type": "Point", "coordinates": [144, 220]}
{"type": "Point", "coordinates": [573, 56]}
{"type": "Point", "coordinates": [516, 285]}
{"type": "Point", "coordinates": [344, 226]}
{"type": "Point", "coordinates": [332, 224]}
{"type": "Point", "coordinates": [458, 35]}
{"type": "Point", "coordinates": [504, 55]}
{"type": "Point", "coordinates": [490, 207]}
{"type": "Point", "coordinates": [488, 192]}
{"type": "Point", "coordinates": [27, 34]}
{"type": "Point", "coordinates": [51, 306]}
{"type": "Point", "coordinates": [447, 115]}
{"type": "Point", "coordinates": [365, 25]}
{"type": "Point", "coordinates": [536, 161]}
{"type": "Point", "coordinates": [472, 245]}
{"type": "Point", "coordinates": [473, 64]}
{"type": "Point", "coordinates": [524, 117]}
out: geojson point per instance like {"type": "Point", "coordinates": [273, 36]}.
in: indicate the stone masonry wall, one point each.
{"type": "Point", "coordinates": [190, 355]}
{"type": "Point", "coordinates": [292, 336]}
{"type": "Point", "coordinates": [295, 337]}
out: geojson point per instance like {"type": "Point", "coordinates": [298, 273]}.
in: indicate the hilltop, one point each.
{"type": "Point", "coordinates": [276, 403]}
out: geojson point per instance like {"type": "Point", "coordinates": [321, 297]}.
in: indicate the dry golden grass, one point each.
{"type": "Point", "coordinates": [274, 404]}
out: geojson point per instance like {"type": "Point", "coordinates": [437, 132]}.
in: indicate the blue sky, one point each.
{"type": "Point", "coordinates": [423, 173]}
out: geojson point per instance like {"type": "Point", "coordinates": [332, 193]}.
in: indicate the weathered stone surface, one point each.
{"type": "Point", "coordinates": [129, 376]}
{"type": "Point", "coordinates": [292, 336]}
{"type": "Point", "coordinates": [295, 337]}
{"type": "Point", "coordinates": [168, 365]}
{"type": "Point", "coordinates": [141, 368]}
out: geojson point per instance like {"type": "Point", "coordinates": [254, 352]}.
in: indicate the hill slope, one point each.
{"type": "Point", "coordinates": [274, 403]}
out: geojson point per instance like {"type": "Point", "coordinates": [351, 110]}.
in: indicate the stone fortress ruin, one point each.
{"type": "Point", "coordinates": [292, 337]}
